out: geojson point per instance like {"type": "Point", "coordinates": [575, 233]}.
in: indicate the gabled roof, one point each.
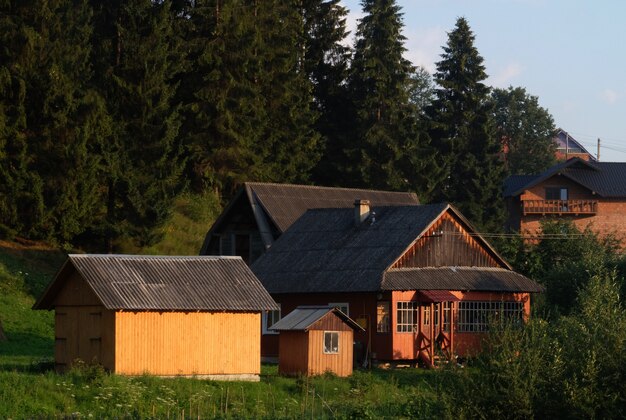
{"type": "Point", "coordinates": [325, 252]}
{"type": "Point", "coordinates": [142, 282]}
{"type": "Point", "coordinates": [304, 317]}
{"type": "Point", "coordinates": [564, 141]}
{"type": "Point", "coordinates": [281, 205]}
{"type": "Point", "coordinates": [607, 179]}
{"type": "Point", "coordinates": [487, 279]}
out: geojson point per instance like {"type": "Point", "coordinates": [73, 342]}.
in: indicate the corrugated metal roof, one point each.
{"type": "Point", "coordinates": [285, 203]}
{"type": "Point", "coordinates": [324, 251]}
{"type": "Point", "coordinates": [303, 317]}
{"type": "Point", "coordinates": [435, 296]}
{"type": "Point", "coordinates": [607, 179]}
{"type": "Point", "coordinates": [458, 278]}
{"type": "Point", "coordinates": [138, 282]}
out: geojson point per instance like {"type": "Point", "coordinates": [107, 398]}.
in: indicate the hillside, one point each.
{"type": "Point", "coordinates": [25, 269]}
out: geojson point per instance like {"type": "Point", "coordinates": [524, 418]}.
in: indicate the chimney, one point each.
{"type": "Point", "coordinates": [361, 211]}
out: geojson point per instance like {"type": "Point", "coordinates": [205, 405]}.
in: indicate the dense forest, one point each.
{"type": "Point", "coordinates": [110, 110]}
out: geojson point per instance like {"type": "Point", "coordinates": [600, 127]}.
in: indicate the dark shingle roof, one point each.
{"type": "Point", "coordinates": [458, 278]}
{"type": "Point", "coordinates": [607, 179]}
{"type": "Point", "coordinates": [134, 282]}
{"type": "Point", "coordinates": [285, 203]}
{"type": "Point", "coordinates": [325, 252]}
{"type": "Point", "coordinates": [303, 317]}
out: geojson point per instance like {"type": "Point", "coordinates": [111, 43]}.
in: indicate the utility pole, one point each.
{"type": "Point", "coordinates": [598, 156]}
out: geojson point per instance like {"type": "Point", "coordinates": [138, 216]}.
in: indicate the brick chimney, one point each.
{"type": "Point", "coordinates": [361, 211]}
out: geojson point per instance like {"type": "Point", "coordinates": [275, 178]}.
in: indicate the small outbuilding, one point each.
{"type": "Point", "coordinates": [314, 340]}
{"type": "Point", "coordinates": [166, 316]}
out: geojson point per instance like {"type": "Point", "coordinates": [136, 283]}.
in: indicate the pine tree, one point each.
{"type": "Point", "coordinates": [464, 133]}
{"type": "Point", "coordinates": [137, 57]}
{"type": "Point", "coordinates": [388, 150]}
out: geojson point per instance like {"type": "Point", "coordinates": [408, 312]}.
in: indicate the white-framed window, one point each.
{"type": "Point", "coordinates": [474, 316]}
{"type": "Point", "coordinates": [331, 342]}
{"type": "Point", "coordinates": [269, 319]}
{"type": "Point", "coordinates": [406, 316]}
{"type": "Point", "coordinates": [425, 315]}
{"type": "Point", "coordinates": [342, 306]}
{"type": "Point", "coordinates": [383, 321]}
{"type": "Point", "coordinates": [447, 310]}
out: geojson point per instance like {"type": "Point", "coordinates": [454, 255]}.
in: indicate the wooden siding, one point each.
{"type": "Point", "coordinates": [85, 333]}
{"type": "Point", "coordinates": [340, 363]}
{"type": "Point", "coordinates": [293, 353]}
{"type": "Point", "coordinates": [446, 243]}
{"type": "Point", "coordinates": [330, 322]}
{"type": "Point", "coordinates": [187, 343]}
{"type": "Point", "coordinates": [76, 292]}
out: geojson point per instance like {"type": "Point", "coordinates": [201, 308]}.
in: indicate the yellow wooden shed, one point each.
{"type": "Point", "coordinates": [167, 316]}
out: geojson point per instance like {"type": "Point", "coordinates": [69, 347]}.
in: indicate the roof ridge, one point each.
{"type": "Point", "coordinates": [322, 187]}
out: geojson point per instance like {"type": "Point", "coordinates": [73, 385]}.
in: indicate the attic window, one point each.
{"type": "Point", "coordinates": [331, 342]}
{"type": "Point", "coordinates": [556, 193]}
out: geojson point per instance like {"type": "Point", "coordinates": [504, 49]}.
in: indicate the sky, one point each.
{"type": "Point", "coordinates": [571, 54]}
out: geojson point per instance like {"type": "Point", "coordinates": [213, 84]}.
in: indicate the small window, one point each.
{"type": "Point", "coordinates": [269, 319]}
{"type": "Point", "coordinates": [426, 315]}
{"type": "Point", "coordinates": [331, 342]}
{"type": "Point", "coordinates": [382, 317]}
{"type": "Point", "coordinates": [447, 309]}
{"type": "Point", "coordinates": [556, 193]}
{"type": "Point", "coordinates": [342, 306]}
{"type": "Point", "coordinates": [406, 316]}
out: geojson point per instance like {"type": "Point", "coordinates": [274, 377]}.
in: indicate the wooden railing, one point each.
{"type": "Point", "coordinates": [559, 206]}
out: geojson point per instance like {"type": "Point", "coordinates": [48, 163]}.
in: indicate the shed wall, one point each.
{"type": "Point", "coordinates": [187, 343]}
{"type": "Point", "coordinates": [85, 333]}
{"type": "Point", "coordinates": [293, 353]}
{"type": "Point", "coordinates": [340, 363]}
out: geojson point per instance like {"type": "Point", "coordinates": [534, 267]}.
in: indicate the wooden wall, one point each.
{"type": "Point", "coordinates": [319, 362]}
{"type": "Point", "coordinates": [85, 333]}
{"type": "Point", "coordinates": [293, 353]}
{"type": "Point", "coordinates": [447, 243]}
{"type": "Point", "coordinates": [83, 328]}
{"type": "Point", "coordinates": [187, 343]}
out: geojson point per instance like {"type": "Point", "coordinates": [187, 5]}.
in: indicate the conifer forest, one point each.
{"type": "Point", "coordinates": [110, 110]}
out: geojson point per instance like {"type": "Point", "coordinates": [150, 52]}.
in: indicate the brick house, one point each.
{"type": "Point", "coordinates": [568, 147]}
{"type": "Point", "coordinates": [260, 212]}
{"type": "Point", "coordinates": [591, 194]}
{"type": "Point", "coordinates": [419, 279]}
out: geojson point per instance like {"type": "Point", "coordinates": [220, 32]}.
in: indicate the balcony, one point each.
{"type": "Point", "coordinates": [573, 207]}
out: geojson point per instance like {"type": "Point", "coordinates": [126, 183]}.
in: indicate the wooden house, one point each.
{"type": "Point", "coordinates": [420, 280]}
{"type": "Point", "coordinates": [159, 315]}
{"type": "Point", "coordinates": [314, 340]}
{"type": "Point", "coordinates": [260, 212]}
{"type": "Point", "coordinates": [590, 194]}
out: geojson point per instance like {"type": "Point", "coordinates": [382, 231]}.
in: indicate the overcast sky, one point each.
{"type": "Point", "coordinates": [569, 53]}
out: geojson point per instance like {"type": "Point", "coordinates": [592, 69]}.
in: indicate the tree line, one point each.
{"type": "Point", "coordinates": [109, 110]}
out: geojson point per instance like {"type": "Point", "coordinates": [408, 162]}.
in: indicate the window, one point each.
{"type": "Point", "coordinates": [556, 193]}
{"type": "Point", "coordinates": [342, 306]}
{"type": "Point", "coordinates": [436, 314]}
{"type": "Point", "coordinates": [407, 316]}
{"type": "Point", "coordinates": [447, 308]}
{"type": "Point", "coordinates": [242, 246]}
{"type": "Point", "coordinates": [476, 316]}
{"type": "Point", "coordinates": [269, 319]}
{"type": "Point", "coordinates": [382, 317]}
{"type": "Point", "coordinates": [426, 315]}
{"type": "Point", "coordinates": [331, 342]}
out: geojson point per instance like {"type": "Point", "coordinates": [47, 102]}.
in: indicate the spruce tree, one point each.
{"type": "Point", "coordinates": [388, 149]}
{"type": "Point", "coordinates": [137, 57]}
{"type": "Point", "coordinates": [463, 132]}
{"type": "Point", "coordinates": [54, 121]}
{"type": "Point", "coordinates": [326, 61]}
